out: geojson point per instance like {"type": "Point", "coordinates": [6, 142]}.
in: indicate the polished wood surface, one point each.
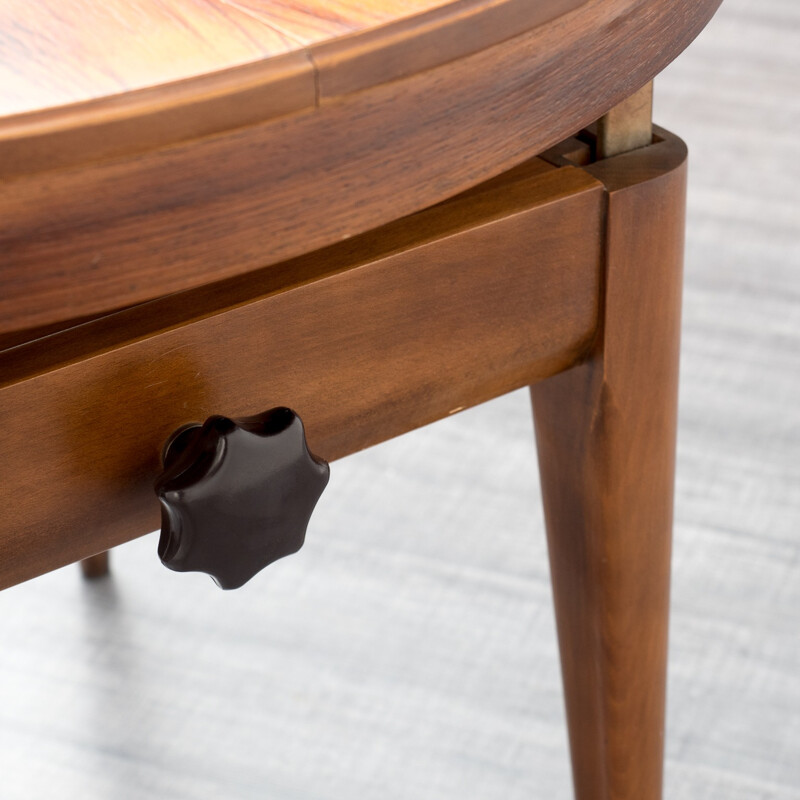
{"type": "Point", "coordinates": [365, 341]}
{"type": "Point", "coordinates": [90, 239]}
{"type": "Point", "coordinates": [174, 76]}
{"type": "Point", "coordinates": [606, 438]}
{"type": "Point", "coordinates": [58, 52]}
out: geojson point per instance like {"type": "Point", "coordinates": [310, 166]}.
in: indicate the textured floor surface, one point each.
{"type": "Point", "coordinates": [409, 650]}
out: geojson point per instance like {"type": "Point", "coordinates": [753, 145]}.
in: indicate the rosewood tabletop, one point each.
{"type": "Point", "coordinates": [127, 128]}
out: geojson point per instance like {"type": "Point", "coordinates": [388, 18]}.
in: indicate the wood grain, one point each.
{"type": "Point", "coordinates": [174, 75]}
{"type": "Point", "coordinates": [56, 52]}
{"type": "Point", "coordinates": [422, 596]}
{"type": "Point", "coordinates": [452, 31]}
{"type": "Point", "coordinates": [81, 241]}
{"type": "Point", "coordinates": [346, 338]}
{"type": "Point", "coordinates": [606, 437]}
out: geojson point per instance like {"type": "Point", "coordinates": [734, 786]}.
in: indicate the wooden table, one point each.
{"type": "Point", "coordinates": [376, 213]}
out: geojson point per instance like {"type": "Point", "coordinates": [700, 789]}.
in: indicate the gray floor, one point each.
{"type": "Point", "coordinates": [409, 651]}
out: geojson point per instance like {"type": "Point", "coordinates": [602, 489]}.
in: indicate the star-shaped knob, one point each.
{"type": "Point", "coordinates": [237, 495]}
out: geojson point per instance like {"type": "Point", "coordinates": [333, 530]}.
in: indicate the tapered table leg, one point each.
{"type": "Point", "coordinates": [605, 433]}
{"type": "Point", "coordinates": [95, 566]}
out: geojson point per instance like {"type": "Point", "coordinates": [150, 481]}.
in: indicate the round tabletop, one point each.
{"type": "Point", "coordinates": [152, 146]}
{"type": "Point", "coordinates": [57, 52]}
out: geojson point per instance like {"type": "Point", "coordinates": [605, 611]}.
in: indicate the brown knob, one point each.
{"type": "Point", "coordinates": [237, 495]}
